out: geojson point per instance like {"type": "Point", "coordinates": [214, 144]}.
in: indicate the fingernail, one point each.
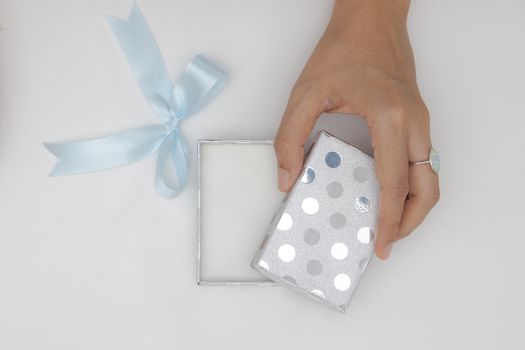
{"type": "Point", "coordinates": [283, 178]}
{"type": "Point", "coordinates": [387, 250]}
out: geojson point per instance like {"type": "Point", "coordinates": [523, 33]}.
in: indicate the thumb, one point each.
{"type": "Point", "coordinates": [298, 121]}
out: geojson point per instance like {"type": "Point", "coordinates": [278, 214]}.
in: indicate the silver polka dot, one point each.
{"type": "Point", "coordinates": [361, 174]}
{"type": "Point", "coordinates": [314, 267]}
{"type": "Point", "coordinates": [289, 279]}
{"type": "Point", "coordinates": [286, 252]}
{"type": "Point", "coordinates": [264, 265]}
{"type": "Point", "coordinates": [365, 235]}
{"type": "Point", "coordinates": [337, 221]}
{"type": "Point", "coordinates": [310, 205]}
{"type": "Point", "coordinates": [342, 282]}
{"type": "Point", "coordinates": [362, 204]}
{"type": "Point", "coordinates": [332, 159]}
{"type": "Point", "coordinates": [308, 176]}
{"type": "Point", "coordinates": [339, 251]}
{"type": "Point", "coordinates": [318, 293]}
{"type": "Point", "coordinates": [285, 222]}
{"type": "Point", "coordinates": [311, 236]}
{"type": "Point", "coordinates": [334, 189]}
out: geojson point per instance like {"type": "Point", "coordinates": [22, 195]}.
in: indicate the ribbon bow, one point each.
{"type": "Point", "coordinates": [197, 85]}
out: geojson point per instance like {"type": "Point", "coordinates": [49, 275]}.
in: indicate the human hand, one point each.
{"type": "Point", "coordinates": [363, 65]}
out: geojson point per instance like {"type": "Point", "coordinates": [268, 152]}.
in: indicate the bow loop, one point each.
{"type": "Point", "coordinates": [172, 166]}
{"type": "Point", "coordinates": [198, 83]}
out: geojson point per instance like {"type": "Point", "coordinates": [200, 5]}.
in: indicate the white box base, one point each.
{"type": "Point", "coordinates": [237, 198]}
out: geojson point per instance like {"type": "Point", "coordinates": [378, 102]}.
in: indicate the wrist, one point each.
{"type": "Point", "coordinates": [372, 16]}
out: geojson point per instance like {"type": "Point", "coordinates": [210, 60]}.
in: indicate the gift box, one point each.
{"type": "Point", "coordinates": [237, 196]}
{"type": "Point", "coordinates": [321, 238]}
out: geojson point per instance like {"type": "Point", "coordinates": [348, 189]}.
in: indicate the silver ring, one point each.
{"type": "Point", "coordinates": [433, 160]}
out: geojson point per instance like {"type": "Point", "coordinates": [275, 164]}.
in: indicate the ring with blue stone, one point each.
{"type": "Point", "coordinates": [433, 160]}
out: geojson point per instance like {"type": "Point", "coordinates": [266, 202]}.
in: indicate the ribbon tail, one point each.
{"type": "Point", "coordinates": [108, 152]}
{"type": "Point", "coordinates": [170, 179]}
{"type": "Point", "coordinates": [145, 60]}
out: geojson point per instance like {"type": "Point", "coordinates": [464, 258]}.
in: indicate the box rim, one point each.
{"type": "Point", "coordinates": [220, 282]}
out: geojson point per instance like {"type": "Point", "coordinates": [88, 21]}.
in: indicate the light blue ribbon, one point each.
{"type": "Point", "coordinates": [197, 85]}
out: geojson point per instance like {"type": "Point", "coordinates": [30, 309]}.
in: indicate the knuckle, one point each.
{"type": "Point", "coordinates": [288, 153]}
{"type": "Point", "coordinates": [403, 233]}
{"type": "Point", "coordinates": [281, 145]}
{"type": "Point", "coordinates": [305, 89]}
{"type": "Point", "coordinates": [399, 105]}
{"type": "Point", "coordinates": [391, 223]}
{"type": "Point", "coordinates": [393, 120]}
{"type": "Point", "coordinates": [397, 189]}
{"type": "Point", "coordinates": [393, 104]}
{"type": "Point", "coordinates": [422, 113]}
{"type": "Point", "coordinates": [388, 228]}
{"type": "Point", "coordinates": [423, 110]}
{"type": "Point", "coordinates": [432, 197]}
{"type": "Point", "coordinates": [296, 95]}
{"type": "Point", "coordinates": [314, 94]}
{"type": "Point", "coordinates": [397, 113]}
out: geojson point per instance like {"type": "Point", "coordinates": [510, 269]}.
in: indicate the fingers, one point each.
{"type": "Point", "coordinates": [304, 107]}
{"type": "Point", "coordinates": [391, 159]}
{"type": "Point", "coordinates": [424, 194]}
{"type": "Point", "coordinates": [423, 182]}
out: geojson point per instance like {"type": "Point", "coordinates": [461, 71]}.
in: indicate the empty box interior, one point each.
{"type": "Point", "coordinates": [238, 196]}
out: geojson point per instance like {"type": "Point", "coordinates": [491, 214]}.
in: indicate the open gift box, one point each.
{"type": "Point", "coordinates": [318, 241]}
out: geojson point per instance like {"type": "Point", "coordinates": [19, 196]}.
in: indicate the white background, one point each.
{"type": "Point", "coordinates": [100, 261]}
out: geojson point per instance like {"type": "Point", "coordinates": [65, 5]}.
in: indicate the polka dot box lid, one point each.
{"type": "Point", "coordinates": [321, 239]}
